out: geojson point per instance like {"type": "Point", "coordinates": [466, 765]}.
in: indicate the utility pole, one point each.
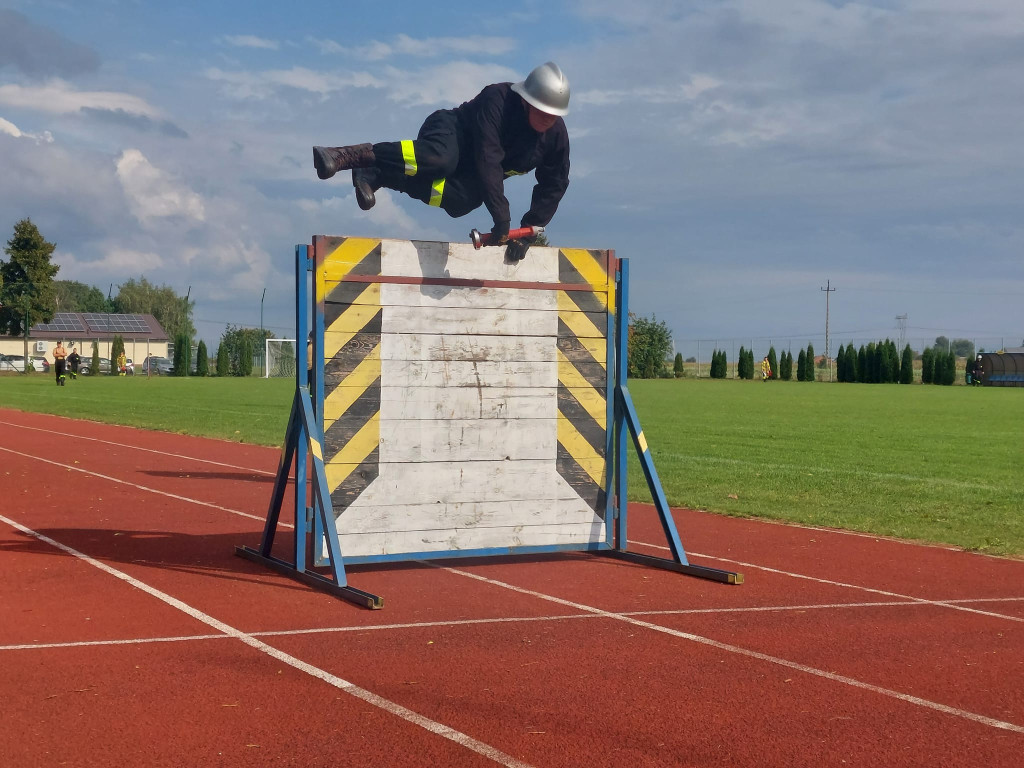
{"type": "Point", "coordinates": [828, 358]}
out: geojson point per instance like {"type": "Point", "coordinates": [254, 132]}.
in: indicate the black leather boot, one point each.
{"type": "Point", "coordinates": [366, 181]}
{"type": "Point", "coordinates": [329, 160]}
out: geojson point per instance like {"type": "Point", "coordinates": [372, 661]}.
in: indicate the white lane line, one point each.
{"type": "Point", "coordinates": [494, 620]}
{"type": "Point", "coordinates": [260, 518]}
{"type": "Point", "coordinates": [97, 643]}
{"type": "Point", "coordinates": [938, 603]}
{"type": "Point", "coordinates": [139, 448]}
{"type": "Point", "coordinates": [352, 689]}
{"type": "Point", "coordinates": [916, 700]}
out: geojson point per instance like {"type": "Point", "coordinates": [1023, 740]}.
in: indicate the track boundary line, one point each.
{"type": "Point", "coordinates": [471, 622]}
{"type": "Point", "coordinates": [391, 707]}
{"type": "Point", "coordinates": [842, 584]}
{"type": "Point", "coordinates": [766, 521]}
{"type": "Point", "coordinates": [707, 641]}
{"type": "Point", "coordinates": [140, 448]}
{"type": "Point", "coordinates": [142, 487]}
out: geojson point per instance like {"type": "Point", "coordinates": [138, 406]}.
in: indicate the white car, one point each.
{"type": "Point", "coordinates": [12, 363]}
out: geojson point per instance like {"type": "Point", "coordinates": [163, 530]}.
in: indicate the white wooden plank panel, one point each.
{"type": "Point", "coordinates": [452, 482]}
{"type": "Point", "coordinates": [460, 373]}
{"type": "Point", "coordinates": [402, 295]}
{"type": "Point", "coordinates": [452, 539]}
{"type": "Point", "coordinates": [460, 515]}
{"type": "Point", "coordinates": [468, 440]}
{"type": "Point", "coordinates": [437, 346]}
{"type": "Point", "coordinates": [468, 403]}
{"type": "Point", "coordinates": [465, 320]}
{"type": "Point", "coordinates": [412, 258]}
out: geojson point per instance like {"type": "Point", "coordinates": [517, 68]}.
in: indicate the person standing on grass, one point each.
{"type": "Point", "coordinates": [73, 361]}
{"type": "Point", "coordinates": [122, 365]}
{"type": "Point", "coordinates": [766, 369]}
{"type": "Point", "coordinates": [59, 358]}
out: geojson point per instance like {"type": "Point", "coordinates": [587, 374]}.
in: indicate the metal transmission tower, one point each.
{"type": "Point", "coordinates": [901, 324]}
{"type": "Point", "coordinates": [828, 358]}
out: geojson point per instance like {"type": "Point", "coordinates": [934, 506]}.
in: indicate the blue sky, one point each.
{"type": "Point", "coordinates": [741, 153]}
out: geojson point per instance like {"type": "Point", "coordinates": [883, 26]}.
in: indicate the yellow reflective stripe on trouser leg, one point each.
{"type": "Point", "coordinates": [436, 190]}
{"type": "Point", "coordinates": [409, 155]}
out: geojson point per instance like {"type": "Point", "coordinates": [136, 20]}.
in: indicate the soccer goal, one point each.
{"type": "Point", "coordinates": [279, 358]}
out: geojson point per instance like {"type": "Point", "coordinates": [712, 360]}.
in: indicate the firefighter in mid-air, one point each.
{"type": "Point", "coordinates": [462, 156]}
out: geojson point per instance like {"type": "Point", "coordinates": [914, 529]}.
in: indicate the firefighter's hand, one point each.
{"type": "Point", "coordinates": [516, 249]}
{"type": "Point", "coordinates": [499, 233]}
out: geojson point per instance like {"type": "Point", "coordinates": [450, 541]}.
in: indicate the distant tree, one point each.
{"type": "Point", "coordinates": [851, 363]}
{"type": "Point", "coordinates": [801, 366]}
{"type": "Point", "coordinates": [928, 366]}
{"type": "Point", "coordinates": [809, 363]}
{"type": "Point", "coordinates": [841, 364]}
{"type": "Point", "coordinates": [27, 293]}
{"type": "Point", "coordinates": [95, 358]}
{"type": "Point", "coordinates": [907, 366]}
{"type": "Point", "coordinates": [232, 340]}
{"type": "Point", "coordinates": [863, 367]}
{"type": "Point", "coordinates": [73, 296]}
{"type": "Point", "coordinates": [963, 348]}
{"type": "Point", "coordinates": [182, 353]}
{"type": "Point", "coordinates": [245, 358]}
{"type": "Point", "coordinates": [143, 298]}
{"type": "Point", "coordinates": [116, 348]}
{"type": "Point", "coordinates": [942, 342]}
{"type": "Point", "coordinates": [949, 368]}
{"type": "Point", "coordinates": [691, 359]}
{"type": "Point", "coordinates": [223, 360]}
{"type": "Point", "coordinates": [677, 366]}
{"type": "Point", "coordinates": [649, 344]}
{"type": "Point", "coordinates": [786, 366]}
{"type": "Point", "coordinates": [773, 361]}
{"type": "Point", "coordinates": [741, 363]}
{"type": "Point", "coordinates": [202, 360]}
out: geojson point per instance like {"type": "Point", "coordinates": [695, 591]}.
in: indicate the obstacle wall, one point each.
{"type": "Point", "coordinates": [465, 400]}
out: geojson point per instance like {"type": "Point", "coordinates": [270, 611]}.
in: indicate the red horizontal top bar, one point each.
{"type": "Point", "coordinates": [462, 282]}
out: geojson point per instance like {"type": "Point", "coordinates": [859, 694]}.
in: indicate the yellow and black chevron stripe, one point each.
{"type": "Point", "coordinates": [352, 336]}
{"type": "Point", "coordinates": [583, 374]}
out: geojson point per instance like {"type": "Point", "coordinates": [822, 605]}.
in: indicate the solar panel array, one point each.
{"type": "Point", "coordinates": [63, 322]}
{"type": "Point", "coordinates": [116, 323]}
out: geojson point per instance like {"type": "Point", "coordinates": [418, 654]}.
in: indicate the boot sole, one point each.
{"type": "Point", "coordinates": [322, 164]}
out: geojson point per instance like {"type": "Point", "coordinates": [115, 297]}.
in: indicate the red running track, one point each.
{"type": "Point", "coordinates": [130, 635]}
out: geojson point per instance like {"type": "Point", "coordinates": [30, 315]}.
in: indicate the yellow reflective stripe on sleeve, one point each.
{"type": "Point", "coordinates": [436, 191]}
{"type": "Point", "coordinates": [409, 155]}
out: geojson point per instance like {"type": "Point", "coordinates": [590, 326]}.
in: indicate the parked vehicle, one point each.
{"type": "Point", "coordinates": [85, 367]}
{"type": "Point", "coordinates": [157, 366]}
{"type": "Point", "coordinates": [41, 364]}
{"type": "Point", "coordinates": [12, 363]}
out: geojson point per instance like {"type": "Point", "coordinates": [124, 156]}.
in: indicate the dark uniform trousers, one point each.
{"type": "Point", "coordinates": [436, 168]}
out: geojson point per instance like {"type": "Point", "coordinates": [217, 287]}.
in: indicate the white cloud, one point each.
{"type": "Point", "coordinates": [428, 47]}
{"type": "Point", "coordinates": [154, 194]}
{"type": "Point", "coordinates": [262, 85]}
{"type": "Point", "coordinates": [59, 98]}
{"type": "Point", "coordinates": [250, 41]}
{"type": "Point", "coordinates": [9, 128]}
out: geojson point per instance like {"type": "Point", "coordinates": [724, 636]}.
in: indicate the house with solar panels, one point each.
{"type": "Point", "coordinates": [142, 334]}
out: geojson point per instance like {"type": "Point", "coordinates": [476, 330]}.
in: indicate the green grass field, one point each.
{"type": "Point", "coordinates": [940, 464]}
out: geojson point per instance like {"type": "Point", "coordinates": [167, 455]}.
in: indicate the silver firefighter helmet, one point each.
{"type": "Point", "coordinates": [546, 88]}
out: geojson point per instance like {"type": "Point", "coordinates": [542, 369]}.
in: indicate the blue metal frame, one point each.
{"type": "Point", "coordinates": [316, 523]}
{"type": "Point", "coordinates": [304, 439]}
